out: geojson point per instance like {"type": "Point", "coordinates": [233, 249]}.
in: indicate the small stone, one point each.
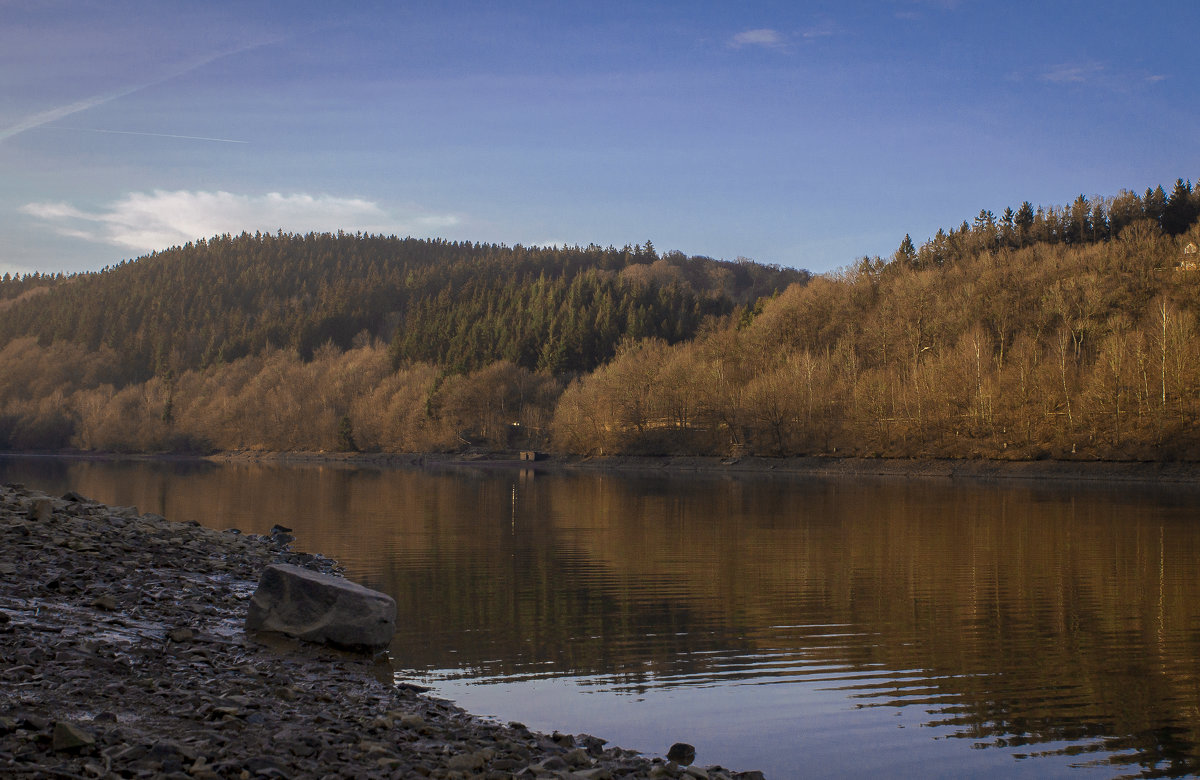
{"type": "Point", "coordinates": [576, 757]}
{"type": "Point", "coordinates": [599, 773]}
{"type": "Point", "coordinates": [104, 601]}
{"type": "Point", "coordinates": [302, 749]}
{"type": "Point", "coordinates": [35, 722]}
{"type": "Point", "coordinates": [551, 764]}
{"type": "Point", "coordinates": [469, 761]}
{"type": "Point", "coordinates": [182, 635]}
{"type": "Point", "coordinates": [69, 737]}
{"type": "Point", "coordinates": [681, 753]}
{"type": "Point", "coordinates": [42, 510]}
{"type": "Point", "coordinates": [263, 765]}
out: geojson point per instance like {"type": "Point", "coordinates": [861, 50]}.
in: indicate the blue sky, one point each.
{"type": "Point", "coordinates": [800, 133]}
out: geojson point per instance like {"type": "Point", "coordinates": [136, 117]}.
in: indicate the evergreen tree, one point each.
{"type": "Point", "coordinates": [906, 254]}
{"type": "Point", "coordinates": [1024, 223]}
{"type": "Point", "coordinates": [1154, 204]}
{"type": "Point", "coordinates": [1179, 212]}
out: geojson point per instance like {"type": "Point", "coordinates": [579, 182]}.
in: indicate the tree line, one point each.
{"type": "Point", "coordinates": [460, 304]}
{"type": "Point", "coordinates": [982, 342]}
{"type": "Point", "coordinates": [1052, 349]}
{"type": "Point", "coordinates": [1084, 221]}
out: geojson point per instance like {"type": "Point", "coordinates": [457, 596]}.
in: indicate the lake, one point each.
{"type": "Point", "coordinates": [815, 627]}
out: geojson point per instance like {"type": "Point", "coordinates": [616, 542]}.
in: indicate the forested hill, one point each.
{"type": "Point", "coordinates": [458, 305]}
{"type": "Point", "coordinates": [1064, 332]}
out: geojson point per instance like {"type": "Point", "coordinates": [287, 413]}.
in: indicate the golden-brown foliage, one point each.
{"type": "Point", "coordinates": [1049, 350]}
{"type": "Point", "coordinates": [1042, 350]}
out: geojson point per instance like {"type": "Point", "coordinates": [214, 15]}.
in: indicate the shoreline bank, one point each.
{"type": "Point", "coordinates": [123, 653]}
{"type": "Point", "coordinates": [1141, 472]}
{"type": "Point", "coordinates": [1179, 473]}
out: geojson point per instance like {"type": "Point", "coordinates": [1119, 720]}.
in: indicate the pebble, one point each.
{"type": "Point", "coordinates": [67, 736]}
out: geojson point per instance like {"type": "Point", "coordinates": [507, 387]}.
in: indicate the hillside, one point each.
{"type": "Point", "coordinates": [103, 360]}
{"type": "Point", "coordinates": [1065, 332]}
{"type": "Point", "coordinates": [459, 305]}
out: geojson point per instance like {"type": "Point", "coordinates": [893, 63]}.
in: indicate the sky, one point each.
{"type": "Point", "coordinates": [805, 134]}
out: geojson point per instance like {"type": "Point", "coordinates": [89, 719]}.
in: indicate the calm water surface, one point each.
{"type": "Point", "coordinates": [821, 628]}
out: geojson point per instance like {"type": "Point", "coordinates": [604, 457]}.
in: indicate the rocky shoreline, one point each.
{"type": "Point", "coordinates": [123, 654]}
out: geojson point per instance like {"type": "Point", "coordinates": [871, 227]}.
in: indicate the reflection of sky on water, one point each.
{"type": "Point", "coordinates": [829, 628]}
{"type": "Point", "coordinates": [812, 727]}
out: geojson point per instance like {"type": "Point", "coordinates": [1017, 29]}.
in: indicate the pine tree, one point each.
{"type": "Point", "coordinates": [1024, 222]}
{"type": "Point", "coordinates": [906, 254]}
{"type": "Point", "coordinates": [1179, 212]}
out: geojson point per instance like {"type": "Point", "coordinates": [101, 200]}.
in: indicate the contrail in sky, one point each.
{"type": "Point", "coordinates": [156, 135]}
{"type": "Point", "coordinates": [45, 117]}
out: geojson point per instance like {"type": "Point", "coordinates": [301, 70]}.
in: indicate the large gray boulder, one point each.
{"type": "Point", "coordinates": [321, 608]}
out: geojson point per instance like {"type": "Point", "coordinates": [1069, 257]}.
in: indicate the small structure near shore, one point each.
{"type": "Point", "coordinates": [321, 608]}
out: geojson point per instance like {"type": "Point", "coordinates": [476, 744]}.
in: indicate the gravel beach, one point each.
{"type": "Point", "coordinates": [123, 654]}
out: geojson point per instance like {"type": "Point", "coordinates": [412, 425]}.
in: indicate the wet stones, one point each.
{"type": "Point", "coordinates": [181, 635]}
{"type": "Point", "coordinates": [321, 608]}
{"type": "Point", "coordinates": [69, 737]}
{"type": "Point", "coordinates": [681, 753]}
{"type": "Point", "coordinates": [41, 510]}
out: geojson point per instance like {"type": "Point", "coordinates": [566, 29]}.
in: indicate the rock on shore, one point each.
{"type": "Point", "coordinates": [122, 653]}
{"type": "Point", "coordinates": [321, 608]}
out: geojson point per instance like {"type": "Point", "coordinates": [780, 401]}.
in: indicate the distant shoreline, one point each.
{"type": "Point", "coordinates": [1124, 472]}
{"type": "Point", "coordinates": [1147, 472]}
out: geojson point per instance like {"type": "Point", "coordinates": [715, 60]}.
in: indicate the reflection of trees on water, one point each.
{"type": "Point", "coordinates": [1037, 620]}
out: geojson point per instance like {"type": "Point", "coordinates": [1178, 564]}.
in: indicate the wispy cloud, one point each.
{"type": "Point", "coordinates": [152, 135]}
{"type": "Point", "coordinates": [913, 10]}
{"type": "Point", "coordinates": [768, 38]}
{"type": "Point", "coordinates": [145, 222]}
{"type": "Point", "coordinates": [1090, 74]}
{"type": "Point", "coordinates": [54, 114]}
{"type": "Point", "coordinates": [823, 29]}
{"type": "Point", "coordinates": [1073, 73]}
{"type": "Point", "coordinates": [764, 37]}
{"type": "Point", "coordinates": [14, 269]}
